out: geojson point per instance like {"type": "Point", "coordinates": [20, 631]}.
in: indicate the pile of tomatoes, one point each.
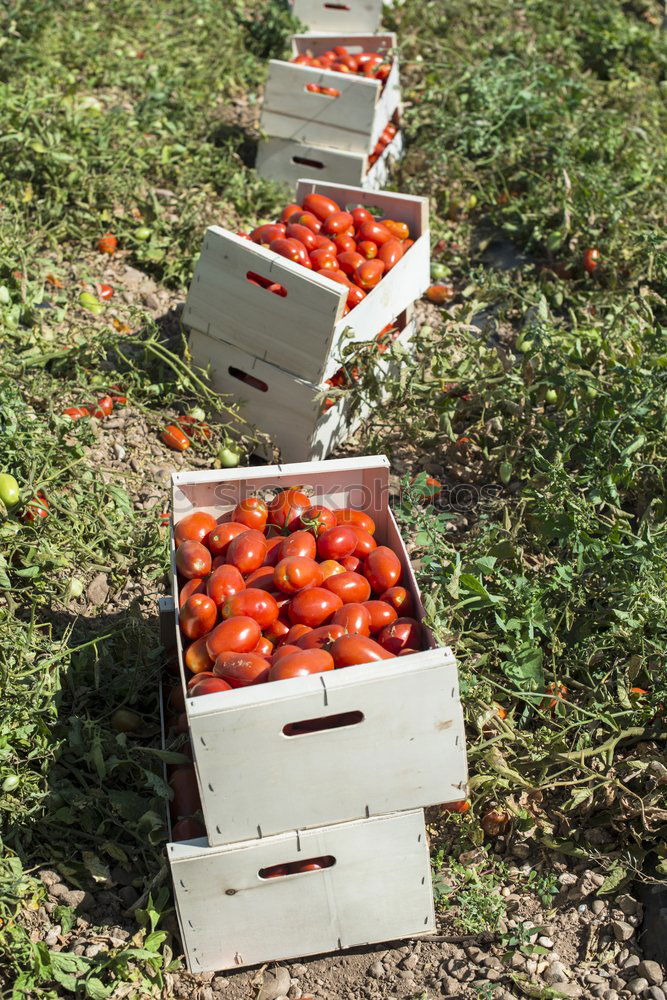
{"type": "Point", "coordinates": [101, 409]}
{"type": "Point", "coordinates": [370, 65]}
{"type": "Point", "coordinates": [353, 248]}
{"type": "Point", "coordinates": [387, 135]}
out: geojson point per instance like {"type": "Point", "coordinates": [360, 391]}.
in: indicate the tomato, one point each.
{"type": "Point", "coordinates": [350, 563]}
{"type": "Point", "coordinates": [349, 261]}
{"type": "Point", "coordinates": [196, 656]}
{"type": "Point", "coordinates": [276, 871]}
{"type": "Point", "coordinates": [284, 650]}
{"type": "Point", "coordinates": [397, 229]}
{"type": "Point", "coordinates": [592, 258]}
{"type": "Point", "coordinates": [261, 578]}
{"type": "Point", "coordinates": [236, 635]}
{"type": "Point", "coordinates": [266, 234]}
{"type": "Point", "coordinates": [299, 543]}
{"type": "Point", "coordinates": [9, 490]}
{"type": "Point", "coordinates": [187, 829]}
{"type": "Point", "coordinates": [253, 603]}
{"type": "Point", "coordinates": [197, 616]}
{"type": "Point", "coordinates": [399, 598]}
{"type": "Point", "coordinates": [303, 234]}
{"type": "Point", "coordinates": [321, 638]}
{"type": "Point", "coordinates": [242, 669]}
{"type": "Point", "coordinates": [286, 509]}
{"type": "Point", "coordinates": [462, 806]}
{"type": "Point", "coordinates": [210, 685]}
{"type": "Point", "coordinates": [382, 569]}
{"type": "Point", "coordinates": [223, 583]}
{"type": "Point", "coordinates": [360, 215]}
{"type": "Point", "coordinates": [439, 294]}
{"type": "Point", "coordinates": [323, 260]}
{"type": "Point", "coordinates": [107, 244]}
{"type": "Point", "coordinates": [276, 632]}
{"type": "Point", "coordinates": [183, 783]}
{"type": "Point", "coordinates": [313, 607]}
{"type": "Point", "coordinates": [174, 438]}
{"type": "Point", "coordinates": [291, 249]}
{"type": "Point", "coordinates": [247, 551]}
{"type": "Point", "coordinates": [264, 647]}
{"type": "Point", "coordinates": [494, 822]}
{"type": "Point", "coordinates": [193, 560]}
{"type": "Point", "coordinates": [296, 632]}
{"type": "Point", "coordinates": [381, 614]}
{"type": "Point", "coordinates": [390, 253]}
{"type": "Point", "coordinates": [223, 534]}
{"type": "Point", "coordinates": [403, 633]}
{"type": "Point", "coordinates": [308, 220]}
{"type": "Point", "coordinates": [352, 588]}
{"type": "Point", "coordinates": [350, 650]}
{"type": "Point", "coordinates": [37, 509]}
{"type": "Point", "coordinates": [195, 527]}
{"type": "Point", "coordinates": [344, 243]}
{"type": "Point", "coordinates": [288, 211]}
{"type": "Point", "coordinates": [316, 520]}
{"type": "Point", "coordinates": [367, 249]}
{"type": "Point", "coordinates": [330, 567]}
{"type": "Point", "coordinates": [195, 586]}
{"type": "Point", "coordinates": [365, 542]}
{"type": "Point", "coordinates": [320, 205]}
{"type": "Point", "coordinates": [355, 295]}
{"type": "Point", "coordinates": [355, 619]}
{"type": "Point", "coordinates": [335, 543]}
{"type": "Point", "coordinates": [324, 243]}
{"type": "Point", "coordinates": [76, 412]}
{"type": "Point", "coordinates": [296, 573]}
{"type": "Point", "coordinates": [368, 273]}
{"type": "Point", "coordinates": [306, 661]}
{"type": "Point", "coordinates": [374, 231]}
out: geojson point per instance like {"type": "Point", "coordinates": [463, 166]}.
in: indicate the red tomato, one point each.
{"type": "Point", "coordinates": [324, 243]}
{"type": "Point", "coordinates": [295, 633]}
{"type": "Point", "coordinates": [261, 578]}
{"type": "Point", "coordinates": [439, 294]}
{"type": "Point", "coordinates": [330, 567]}
{"type": "Point", "coordinates": [224, 582]}
{"type": "Point", "coordinates": [288, 211]}
{"type": "Point", "coordinates": [399, 230]}
{"type": "Point", "coordinates": [308, 220]}
{"type": "Point", "coordinates": [374, 231]}
{"type": "Point", "coordinates": [247, 551]}
{"type": "Point", "coordinates": [317, 519]}
{"type": "Point", "coordinates": [355, 619]}
{"type": "Point", "coordinates": [404, 633]}
{"type": "Point", "coordinates": [350, 650]}
{"type": "Point", "coordinates": [210, 685]}
{"type": "Point", "coordinates": [352, 588]}
{"type": "Point", "coordinates": [264, 647]}
{"type": "Point", "coordinates": [381, 614]}
{"type": "Point", "coordinates": [313, 607]}
{"type": "Point", "coordinates": [350, 563]}
{"type": "Point", "coordinates": [355, 295]}
{"type": "Point", "coordinates": [273, 550]}
{"type": "Point", "coordinates": [337, 222]}
{"type": "Point", "coordinates": [193, 559]}
{"type": "Point", "coordinates": [287, 507]}
{"type": "Point", "coordinates": [174, 438]}
{"type": "Point", "coordinates": [306, 661]}
{"type": "Point", "coordinates": [194, 527]}
{"type": "Point", "coordinates": [335, 543]}
{"type": "Point", "coordinates": [183, 783]}
{"type": "Point", "coordinates": [299, 543]}
{"type": "Point", "coordinates": [320, 205]}
{"type": "Point", "coordinates": [197, 659]}
{"type": "Point", "coordinates": [349, 261]}
{"type": "Point", "coordinates": [236, 635]}
{"type": "Point", "coordinates": [276, 632]}
{"type": "Point", "coordinates": [303, 234]}
{"type": "Point", "coordinates": [284, 650]}
{"type": "Point", "coordinates": [382, 569]}
{"type": "Point", "coordinates": [296, 573]}
{"type": "Point", "coordinates": [344, 243]}
{"type": "Point", "coordinates": [222, 535]}
{"type": "Point", "coordinates": [319, 638]}
{"type": "Point", "coordinates": [592, 258]}
{"type": "Point", "coordinates": [107, 244]}
{"type": "Point", "coordinates": [349, 516]}
{"type": "Point", "coordinates": [241, 669]}
{"type": "Point", "coordinates": [399, 598]}
{"type": "Point", "coordinates": [187, 829]}
{"type": "Point", "coordinates": [368, 273]}
{"type": "Point", "coordinates": [252, 603]}
{"type": "Point", "coordinates": [194, 586]}
{"type": "Point", "coordinates": [197, 616]}
{"type": "Point", "coordinates": [105, 406]}
{"type": "Point", "coordinates": [360, 215]}
{"type": "Point", "coordinates": [289, 248]}
{"type": "Point", "coordinates": [76, 412]}
{"type": "Point", "coordinates": [365, 542]}
{"type": "Point", "coordinates": [367, 249]}
{"type": "Point", "coordinates": [323, 260]}
{"type": "Point", "coordinates": [276, 871]}
{"type": "Point", "coordinates": [266, 234]}
{"type": "Point", "coordinates": [252, 512]}
{"type": "Point", "coordinates": [390, 253]}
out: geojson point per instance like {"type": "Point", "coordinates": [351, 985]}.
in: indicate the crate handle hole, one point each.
{"type": "Point", "coordinates": [314, 88]}
{"type": "Point", "coordinates": [302, 161]}
{"type": "Point", "coordinates": [242, 376]}
{"type": "Point", "coordinates": [297, 867]}
{"type": "Point", "coordinates": [336, 6]}
{"type": "Point", "coordinates": [266, 283]}
{"type": "Point", "coordinates": [323, 724]}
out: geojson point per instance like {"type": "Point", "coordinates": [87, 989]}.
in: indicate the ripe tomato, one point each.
{"type": "Point", "coordinates": [303, 234]}
{"type": "Point", "coordinates": [367, 249]}
{"type": "Point", "coordinates": [335, 543]}
{"type": "Point", "coordinates": [236, 635]}
{"type": "Point", "coordinates": [316, 520]}
{"type": "Point", "coordinates": [323, 260]}
{"type": "Point", "coordinates": [222, 535]}
{"type": "Point", "coordinates": [400, 599]}
{"type": "Point", "coordinates": [288, 211]}
{"type": "Point", "coordinates": [355, 619]}
{"type": "Point", "coordinates": [261, 578]}
{"type": "Point", "coordinates": [276, 632]}
{"type": "Point", "coordinates": [174, 438]}
{"type": "Point", "coordinates": [344, 243]}
{"type": "Point", "coordinates": [349, 516]}
{"type": "Point", "coordinates": [390, 253]}
{"type": "Point", "coordinates": [36, 509]}
{"type": "Point", "coordinates": [266, 234]}
{"type": "Point", "coordinates": [320, 638]}
{"type": "Point", "coordinates": [273, 549]}
{"type": "Point", "coordinates": [183, 783]}
{"type": "Point", "coordinates": [299, 543]}
{"type": "Point", "coordinates": [209, 685]}
{"type": "Point", "coordinates": [224, 582]}
{"type": "Point", "coordinates": [295, 633]}
{"type": "Point", "coordinates": [381, 614]}
{"type": "Point", "coordinates": [320, 206]}
{"type": "Point", "coordinates": [350, 563]}
{"type": "Point", "coordinates": [197, 659]}
{"type": "Point", "coordinates": [187, 829]}
{"type": "Point", "coordinates": [397, 229]}
{"type": "Point", "coordinates": [275, 871]}
{"type": "Point", "coordinates": [330, 567]}
{"type": "Point", "coordinates": [313, 607]}
{"type": "Point", "coordinates": [382, 569]}
{"type": "Point", "coordinates": [592, 258]}
{"type": "Point", "coordinates": [253, 603]}
{"type": "Point", "coordinates": [76, 412]}
{"type": "Point", "coordinates": [287, 507]}
{"type": "Point", "coordinates": [352, 588]}
{"type": "Point", "coordinates": [241, 669]}
{"type": "Point", "coordinates": [252, 512]}
{"type": "Point", "coordinates": [195, 586]}
{"type": "Point", "coordinates": [193, 560]}
{"type": "Point", "coordinates": [296, 573]}
{"type": "Point", "coordinates": [308, 220]}
{"type": "Point", "coordinates": [462, 806]}
{"type": "Point", "coordinates": [197, 616]}
{"type": "Point", "coordinates": [284, 650]}
{"type": "Point", "coordinates": [360, 215]}
{"type": "Point", "coordinates": [194, 527]}
{"type": "Point", "coordinates": [306, 661]}
{"type": "Point", "coordinates": [107, 244]}
{"type": "Point", "coordinates": [289, 248]}
{"type": "Point", "coordinates": [105, 406]}
{"type": "Point", "coordinates": [349, 261]}
{"type": "Point", "coordinates": [264, 647]}
{"type": "Point", "coordinates": [404, 633]}
{"type": "Point", "coordinates": [368, 273]}
{"type": "Point", "coordinates": [365, 542]}
{"type": "Point", "coordinates": [247, 551]}
{"type": "Point", "coordinates": [374, 231]}
{"type": "Point", "coordinates": [350, 650]}
{"type": "Point", "coordinates": [324, 243]}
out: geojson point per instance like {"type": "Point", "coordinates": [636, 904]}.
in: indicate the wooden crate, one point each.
{"type": "Point", "coordinates": [406, 748]}
{"type": "Point", "coordinates": [350, 122]}
{"type": "Point", "coordinates": [288, 408]}
{"type": "Point", "coordinates": [379, 889]}
{"type": "Point", "coordinates": [301, 332]}
{"type": "Point", "coordinates": [338, 15]}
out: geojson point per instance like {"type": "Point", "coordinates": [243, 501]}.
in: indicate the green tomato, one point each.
{"type": "Point", "coordinates": [142, 233]}
{"type": "Point", "coordinates": [4, 295]}
{"type": "Point", "coordinates": [439, 270]}
{"type": "Point", "coordinates": [125, 721]}
{"type": "Point", "coordinates": [75, 588]}
{"type": "Point", "coordinates": [551, 396]}
{"type": "Point", "coordinates": [9, 490]}
{"type": "Point", "coordinates": [523, 345]}
{"type": "Point", "coordinates": [11, 782]}
{"type": "Point", "coordinates": [197, 413]}
{"type": "Point", "coordinates": [505, 472]}
{"type": "Point", "coordinates": [90, 303]}
{"type": "Point", "coordinates": [591, 391]}
{"type": "Point", "coordinates": [228, 458]}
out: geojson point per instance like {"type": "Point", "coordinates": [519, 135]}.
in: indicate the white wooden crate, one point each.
{"type": "Point", "coordinates": [288, 408]}
{"type": "Point", "coordinates": [379, 889]}
{"type": "Point", "coordinates": [301, 331]}
{"type": "Point", "coordinates": [338, 15]}
{"type": "Point", "coordinates": [407, 750]}
{"type": "Point", "coordinates": [354, 120]}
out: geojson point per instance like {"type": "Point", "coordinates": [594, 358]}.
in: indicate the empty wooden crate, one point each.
{"type": "Point", "coordinates": [338, 15]}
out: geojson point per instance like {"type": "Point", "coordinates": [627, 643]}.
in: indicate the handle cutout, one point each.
{"type": "Point", "coordinates": [298, 867]}
{"type": "Point", "coordinates": [262, 282]}
{"type": "Point", "coordinates": [303, 162]}
{"type": "Point", "coordinates": [336, 6]}
{"type": "Point", "coordinates": [242, 376]}
{"type": "Point", "coordinates": [323, 724]}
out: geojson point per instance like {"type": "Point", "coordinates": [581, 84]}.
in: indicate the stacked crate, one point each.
{"type": "Point", "coordinates": [338, 15]}
{"type": "Point", "coordinates": [276, 352]}
{"type": "Point", "coordinates": [334, 766]}
{"type": "Point", "coordinates": [331, 136]}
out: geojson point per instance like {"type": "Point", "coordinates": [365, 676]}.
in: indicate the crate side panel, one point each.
{"type": "Point", "coordinates": [285, 160]}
